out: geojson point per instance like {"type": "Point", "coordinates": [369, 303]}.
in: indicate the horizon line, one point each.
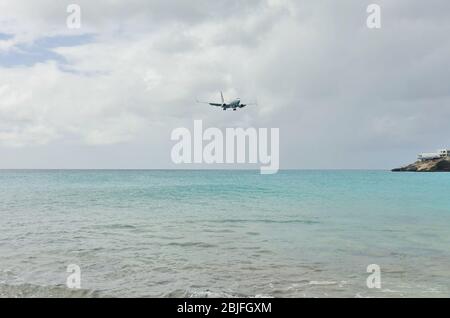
{"type": "Point", "coordinates": [196, 169]}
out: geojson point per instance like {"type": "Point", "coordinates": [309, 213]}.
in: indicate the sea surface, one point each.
{"type": "Point", "coordinates": [219, 233]}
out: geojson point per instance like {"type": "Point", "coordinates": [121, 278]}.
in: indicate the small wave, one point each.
{"type": "Point", "coordinates": [165, 237]}
{"type": "Point", "coordinates": [120, 226]}
{"type": "Point", "coordinates": [218, 231]}
{"type": "Point", "coordinates": [390, 291]}
{"type": "Point", "coordinates": [183, 293]}
{"type": "Point", "coordinates": [265, 221]}
{"type": "Point", "coordinates": [322, 283]}
{"type": "Point", "coordinates": [37, 291]}
{"type": "Point", "coordinates": [192, 244]}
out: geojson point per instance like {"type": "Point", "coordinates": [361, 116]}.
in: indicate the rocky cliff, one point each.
{"type": "Point", "coordinates": [435, 165]}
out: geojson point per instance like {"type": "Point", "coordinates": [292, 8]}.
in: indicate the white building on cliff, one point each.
{"type": "Point", "coordinates": [441, 153]}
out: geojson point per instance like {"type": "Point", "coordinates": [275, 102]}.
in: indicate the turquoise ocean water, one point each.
{"type": "Point", "coordinates": [224, 233]}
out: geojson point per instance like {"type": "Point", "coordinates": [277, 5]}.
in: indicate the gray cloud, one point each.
{"type": "Point", "coordinates": [343, 96]}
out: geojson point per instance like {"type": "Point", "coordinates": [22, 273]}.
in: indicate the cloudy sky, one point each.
{"type": "Point", "coordinates": [109, 94]}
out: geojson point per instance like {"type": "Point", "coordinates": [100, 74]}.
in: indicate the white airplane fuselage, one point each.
{"type": "Point", "coordinates": [233, 104]}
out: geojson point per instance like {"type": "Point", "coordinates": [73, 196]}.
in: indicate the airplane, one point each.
{"type": "Point", "coordinates": [234, 104]}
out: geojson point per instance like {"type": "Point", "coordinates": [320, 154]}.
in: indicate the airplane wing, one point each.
{"type": "Point", "coordinates": [212, 104]}
{"type": "Point", "coordinates": [248, 104]}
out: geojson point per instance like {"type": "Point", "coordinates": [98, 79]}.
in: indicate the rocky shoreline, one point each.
{"type": "Point", "coordinates": [435, 165]}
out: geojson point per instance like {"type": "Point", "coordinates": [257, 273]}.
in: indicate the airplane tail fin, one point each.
{"type": "Point", "coordinates": [223, 100]}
